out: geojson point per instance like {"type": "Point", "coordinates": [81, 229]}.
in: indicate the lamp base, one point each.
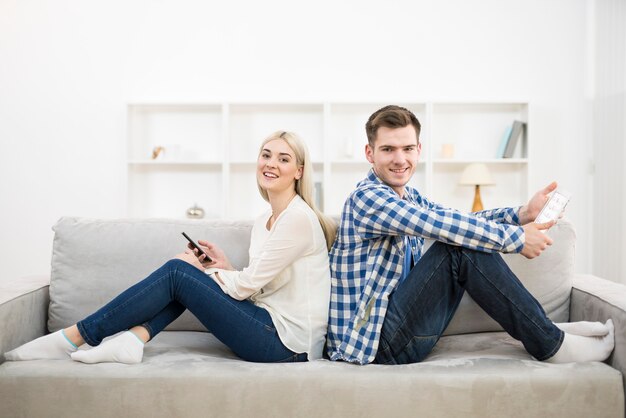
{"type": "Point", "coordinates": [478, 203]}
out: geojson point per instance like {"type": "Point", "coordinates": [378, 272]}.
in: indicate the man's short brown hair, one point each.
{"type": "Point", "coordinates": [391, 116]}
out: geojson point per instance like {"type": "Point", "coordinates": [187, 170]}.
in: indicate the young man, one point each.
{"type": "Point", "coordinates": [390, 303]}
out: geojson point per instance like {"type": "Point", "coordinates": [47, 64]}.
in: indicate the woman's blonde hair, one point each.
{"type": "Point", "coordinates": [304, 185]}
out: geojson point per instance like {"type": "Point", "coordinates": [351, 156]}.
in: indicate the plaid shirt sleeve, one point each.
{"type": "Point", "coordinates": [381, 212]}
{"type": "Point", "coordinates": [366, 259]}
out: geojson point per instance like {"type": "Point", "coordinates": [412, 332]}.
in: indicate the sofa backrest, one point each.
{"type": "Point", "coordinates": [548, 277]}
{"type": "Point", "coordinates": [95, 260]}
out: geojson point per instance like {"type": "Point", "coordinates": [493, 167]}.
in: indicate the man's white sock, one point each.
{"type": "Point", "coordinates": [584, 328]}
{"type": "Point", "coordinates": [125, 348]}
{"type": "Point", "coordinates": [579, 348]}
{"type": "Point", "coordinates": [51, 346]}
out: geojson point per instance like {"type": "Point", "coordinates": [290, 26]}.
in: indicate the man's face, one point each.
{"type": "Point", "coordinates": [394, 156]}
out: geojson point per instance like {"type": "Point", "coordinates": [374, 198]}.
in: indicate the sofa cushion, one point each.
{"type": "Point", "coordinates": [191, 374]}
{"type": "Point", "coordinates": [548, 277]}
{"type": "Point", "coordinates": [95, 260]}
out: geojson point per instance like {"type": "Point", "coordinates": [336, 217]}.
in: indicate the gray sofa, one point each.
{"type": "Point", "coordinates": [475, 370]}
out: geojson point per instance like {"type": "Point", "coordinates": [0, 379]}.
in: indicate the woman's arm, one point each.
{"type": "Point", "coordinates": [291, 238]}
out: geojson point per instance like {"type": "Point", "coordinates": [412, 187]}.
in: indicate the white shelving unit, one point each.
{"type": "Point", "coordinates": [210, 153]}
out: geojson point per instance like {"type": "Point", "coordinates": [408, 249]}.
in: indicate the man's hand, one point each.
{"type": "Point", "coordinates": [536, 241]}
{"type": "Point", "coordinates": [529, 212]}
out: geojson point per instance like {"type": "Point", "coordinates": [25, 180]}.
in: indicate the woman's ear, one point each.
{"type": "Point", "coordinates": [299, 173]}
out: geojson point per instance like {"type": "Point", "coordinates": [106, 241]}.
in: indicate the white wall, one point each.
{"type": "Point", "coordinates": [68, 68]}
{"type": "Point", "coordinates": [609, 133]}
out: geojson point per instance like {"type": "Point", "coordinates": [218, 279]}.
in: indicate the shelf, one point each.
{"type": "Point", "coordinates": [173, 163]}
{"type": "Point", "coordinates": [211, 153]}
{"type": "Point", "coordinates": [485, 161]}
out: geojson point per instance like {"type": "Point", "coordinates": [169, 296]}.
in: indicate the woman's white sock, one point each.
{"type": "Point", "coordinates": [125, 348]}
{"type": "Point", "coordinates": [580, 348]}
{"type": "Point", "coordinates": [51, 346]}
{"type": "Point", "coordinates": [584, 328]}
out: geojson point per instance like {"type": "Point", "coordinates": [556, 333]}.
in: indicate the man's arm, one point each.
{"type": "Point", "coordinates": [378, 211]}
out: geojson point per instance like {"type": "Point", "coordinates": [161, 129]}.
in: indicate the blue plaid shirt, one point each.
{"type": "Point", "coordinates": [367, 259]}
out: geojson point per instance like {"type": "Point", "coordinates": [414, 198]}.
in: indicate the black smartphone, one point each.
{"type": "Point", "coordinates": [197, 247]}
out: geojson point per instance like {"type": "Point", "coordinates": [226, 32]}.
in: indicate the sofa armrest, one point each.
{"type": "Point", "coordinates": [596, 299]}
{"type": "Point", "coordinates": [23, 311]}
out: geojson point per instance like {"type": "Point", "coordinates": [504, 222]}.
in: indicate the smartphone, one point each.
{"type": "Point", "coordinates": [197, 247]}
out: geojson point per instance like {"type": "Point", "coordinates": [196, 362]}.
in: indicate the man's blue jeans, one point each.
{"type": "Point", "coordinates": [164, 295]}
{"type": "Point", "coordinates": [422, 306]}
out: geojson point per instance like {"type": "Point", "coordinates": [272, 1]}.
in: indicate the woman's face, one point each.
{"type": "Point", "coordinates": [277, 168]}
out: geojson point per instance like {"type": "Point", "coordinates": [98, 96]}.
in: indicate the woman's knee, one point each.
{"type": "Point", "coordinates": [175, 264]}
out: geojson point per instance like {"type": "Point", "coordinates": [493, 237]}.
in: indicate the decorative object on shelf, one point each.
{"type": "Point", "coordinates": [157, 152]}
{"type": "Point", "coordinates": [510, 139]}
{"type": "Point", "coordinates": [195, 212]}
{"type": "Point", "coordinates": [476, 175]}
{"type": "Point", "coordinates": [447, 151]}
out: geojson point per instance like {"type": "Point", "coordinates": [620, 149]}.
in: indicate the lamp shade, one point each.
{"type": "Point", "coordinates": [476, 174]}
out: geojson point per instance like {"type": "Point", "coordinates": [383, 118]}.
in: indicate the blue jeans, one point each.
{"type": "Point", "coordinates": [164, 295]}
{"type": "Point", "coordinates": [422, 306]}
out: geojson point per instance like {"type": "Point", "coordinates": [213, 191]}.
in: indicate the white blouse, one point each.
{"type": "Point", "coordinates": [288, 275]}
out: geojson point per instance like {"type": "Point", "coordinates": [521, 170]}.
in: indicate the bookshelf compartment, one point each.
{"type": "Point", "coordinates": [167, 191]}
{"type": "Point", "coordinates": [216, 145]}
{"type": "Point", "coordinates": [475, 131]}
{"type": "Point", "coordinates": [186, 133]}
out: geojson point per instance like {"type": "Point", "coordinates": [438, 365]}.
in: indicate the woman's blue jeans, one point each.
{"type": "Point", "coordinates": [422, 306]}
{"type": "Point", "coordinates": [164, 295]}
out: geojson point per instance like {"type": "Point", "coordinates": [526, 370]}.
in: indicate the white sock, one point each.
{"type": "Point", "coordinates": [125, 348]}
{"type": "Point", "coordinates": [584, 328]}
{"type": "Point", "coordinates": [51, 346]}
{"type": "Point", "coordinates": [579, 348]}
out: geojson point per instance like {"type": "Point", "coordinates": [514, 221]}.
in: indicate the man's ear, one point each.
{"type": "Point", "coordinates": [369, 153]}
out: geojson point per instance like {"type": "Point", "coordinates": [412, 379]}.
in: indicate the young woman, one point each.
{"type": "Point", "coordinates": [274, 310]}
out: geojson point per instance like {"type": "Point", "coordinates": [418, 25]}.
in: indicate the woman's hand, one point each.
{"type": "Point", "coordinates": [220, 260]}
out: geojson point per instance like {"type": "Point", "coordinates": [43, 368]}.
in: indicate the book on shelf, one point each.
{"type": "Point", "coordinates": [510, 139]}
{"type": "Point", "coordinates": [505, 139]}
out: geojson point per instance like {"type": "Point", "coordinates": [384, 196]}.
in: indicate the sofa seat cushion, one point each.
{"type": "Point", "coordinates": [189, 374]}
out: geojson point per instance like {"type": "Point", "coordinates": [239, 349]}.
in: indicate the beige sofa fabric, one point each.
{"type": "Point", "coordinates": [95, 260]}
{"type": "Point", "coordinates": [548, 277]}
{"type": "Point", "coordinates": [596, 299]}
{"type": "Point", "coordinates": [190, 374]}
{"type": "Point", "coordinates": [23, 311]}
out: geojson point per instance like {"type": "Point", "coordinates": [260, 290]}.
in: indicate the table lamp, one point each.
{"type": "Point", "coordinates": [477, 175]}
